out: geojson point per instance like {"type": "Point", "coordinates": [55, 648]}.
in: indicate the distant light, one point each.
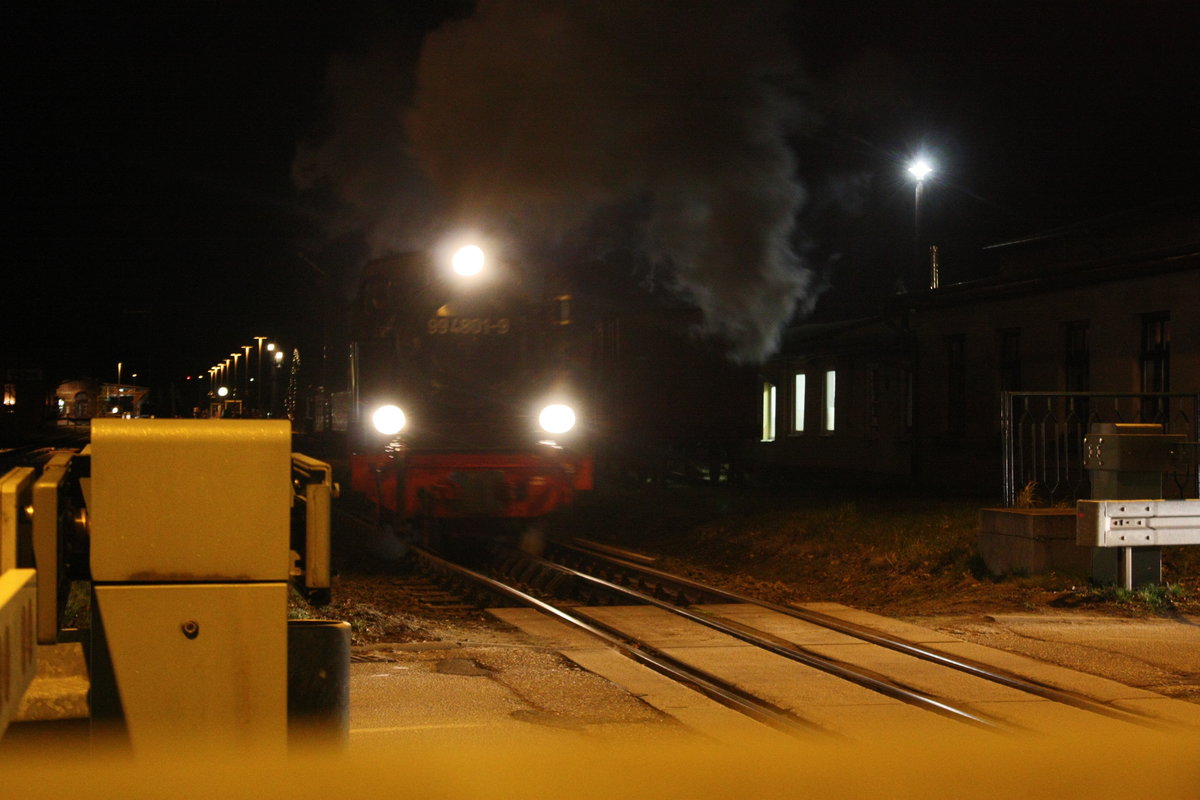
{"type": "Point", "coordinates": [278, 356]}
{"type": "Point", "coordinates": [920, 168]}
{"type": "Point", "coordinates": [222, 392]}
{"type": "Point", "coordinates": [270, 347]}
{"type": "Point", "coordinates": [468, 260]}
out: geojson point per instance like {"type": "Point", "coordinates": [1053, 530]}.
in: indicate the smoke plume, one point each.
{"type": "Point", "coordinates": [361, 170]}
{"type": "Point", "coordinates": [534, 115]}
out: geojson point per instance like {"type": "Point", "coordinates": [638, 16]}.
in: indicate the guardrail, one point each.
{"type": "Point", "coordinates": [1043, 432]}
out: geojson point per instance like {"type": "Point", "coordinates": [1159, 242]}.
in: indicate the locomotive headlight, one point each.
{"type": "Point", "coordinates": [557, 418]}
{"type": "Point", "coordinates": [468, 260]}
{"type": "Point", "coordinates": [388, 420]}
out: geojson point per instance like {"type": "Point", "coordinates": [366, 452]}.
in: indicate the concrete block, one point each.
{"type": "Point", "coordinates": [1032, 541]}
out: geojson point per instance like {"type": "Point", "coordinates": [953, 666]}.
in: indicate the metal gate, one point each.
{"type": "Point", "coordinates": [1043, 440]}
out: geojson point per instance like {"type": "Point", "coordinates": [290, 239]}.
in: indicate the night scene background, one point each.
{"type": "Point", "coordinates": [182, 177]}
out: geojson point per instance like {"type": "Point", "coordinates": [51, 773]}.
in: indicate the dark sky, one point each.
{"type": "Point", "coordinates": [152, 217]}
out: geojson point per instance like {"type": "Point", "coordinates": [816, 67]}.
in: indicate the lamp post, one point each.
{"type": "Point", "coordinates": [258, 390]}
{"type": "Point", "coordinates": [234, 382]}
{"type": "Point", "coordinates": [920, 168]}
{"type": "Point", "coordinates": [278, 359]}
{"type": "Point", "coordinates": [246, 348]}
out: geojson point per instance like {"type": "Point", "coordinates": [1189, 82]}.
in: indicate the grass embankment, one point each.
{"type": "Point", "coordinates": [892, 554]}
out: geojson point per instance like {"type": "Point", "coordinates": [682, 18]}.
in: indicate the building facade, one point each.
{"type": "Point", "coordinates": [923, 392]}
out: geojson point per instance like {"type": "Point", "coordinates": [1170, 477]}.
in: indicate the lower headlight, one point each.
{"type": "Point", "coordinates": [557, 418]}
{"type": "Point", "coordinates": [388, 420]}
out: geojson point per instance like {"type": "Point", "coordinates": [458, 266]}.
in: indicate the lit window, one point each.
{"type": "Point", "coordinates": [830, 400]}
{"type": "Point", "coordinates": [768, 411]}
{"type": "Point", "coordinates": [798, 402]}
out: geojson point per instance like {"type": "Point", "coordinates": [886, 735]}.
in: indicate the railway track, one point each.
{"type": "Point", "coordinates": [710, 685]}
{"type": "Point", "coordinates": [632, 567]}
{"type": "Point", "coordinates": [595, 592]}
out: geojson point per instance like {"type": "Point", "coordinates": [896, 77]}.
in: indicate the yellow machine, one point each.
{"type": "Point", "coordinates": [183, 531]}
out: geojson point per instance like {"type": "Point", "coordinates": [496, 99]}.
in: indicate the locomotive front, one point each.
{"type": "Point", "coordinates": [465, 403]}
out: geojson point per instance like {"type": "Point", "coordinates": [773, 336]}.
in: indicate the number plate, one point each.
{"type": "Point", "coordinates": [468, 326]}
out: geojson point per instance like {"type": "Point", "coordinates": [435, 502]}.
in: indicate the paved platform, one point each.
{"type": "Point", "coordinates": [1159, 655]}
{"type": "Point", "coordinates": [840, 707]}
{"type": "Point", "coordinates": [541, 676]}
{"type": "Point", "coordinates": [458, 693]}
{"type": "Point", "coordinates": [542, 711]}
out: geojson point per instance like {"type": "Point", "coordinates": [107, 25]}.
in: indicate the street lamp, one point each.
{"type": "Point", "coordinates": [258, 389]}
{"type": "Point", "coordinates": [246, 348]}
{"type": "Point", "coordinates": [919, 168]}
{"type": "Point", "coordinates": [235, 357]}
{"type": "Point", "coordinates": [278, 359]}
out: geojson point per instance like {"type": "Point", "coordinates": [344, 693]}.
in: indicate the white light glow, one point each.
{"type": "Point", "coordinates": [920, 169]}
{"type": "Point", "coordinates": [388, 420]}
{"type": "Point", "coordinates": [222, 392]}
{"type": "Point", "coordinates": [468, 260]}
{"type": "Point", "coordinates": [830, 401]}
{"type": "Point", "coordinates": [557, 418]}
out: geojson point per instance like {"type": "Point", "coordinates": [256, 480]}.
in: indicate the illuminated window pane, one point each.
{"type": "Point", "coordinates": [830, 399]}
{"type": "Point", "coordinates": [768, 412]}
{"type": "Point", "coordinates": [798, 396]}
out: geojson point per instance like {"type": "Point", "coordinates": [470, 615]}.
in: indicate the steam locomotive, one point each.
{"type": "Point", "coordinates": [466, 398]}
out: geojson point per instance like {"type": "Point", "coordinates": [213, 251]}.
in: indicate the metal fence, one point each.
{"type": "Point", "coordinates": [1043, 440]}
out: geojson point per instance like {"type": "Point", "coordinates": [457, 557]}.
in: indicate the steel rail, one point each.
{"type": "Point", "coordinates": [707, 684]}
{"type": "Point", "coordinates": [868, 679]}
{"type": "Point", "coordinates": [933, 655]}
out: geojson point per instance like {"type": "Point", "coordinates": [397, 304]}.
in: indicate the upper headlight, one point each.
{"type": "Point", "coordinates": [468, 260]}
{"type": "Point", "coordinates": [557, 418]}
{"type": "Point", "coordinates": [388, 420]}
